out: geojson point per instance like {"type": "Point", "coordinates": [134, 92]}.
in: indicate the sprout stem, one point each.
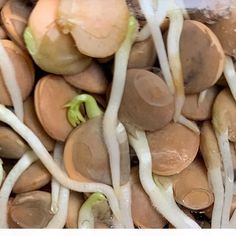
{"type": "Point", "coordinates": [154, 25]}
{"type": "Point", "coordinates": [110, 120]}
{"type": "Point", "coordinates": [26, 160]}
{"type": "Point", "coordinates": [1, 172]}
{"type": "Point", "coordinates": [86, 217]}
{"type": "Point", "coordinates": [55, 185]}
{"type": "Point", "coordinates": [173, 48]}
{"type": "Point", "coordinates": [160, 200]}
{"type": "Point", "coordinates": [143, 34]}
{"type": "Point", "coordinates": [202, 97]}
{"type": "Point", "coordinates": [9, 118]}
{"type": "Point", "coordinates": [62, 202]}
{"type": "Point", "coordinates": [125, 206]}
{"type": "Point", "coordinates": [230, 75]}
{"type": "Point", "coordinates": [223, 142]}
{"type": "Point", "coordinates": [215, 178]}
{"type": "Point", "coordinates": [9, 78]}
{"type": "Point", "coordinates": [190, 124]}
{"type": "Point", "coordinates": [74, 115]}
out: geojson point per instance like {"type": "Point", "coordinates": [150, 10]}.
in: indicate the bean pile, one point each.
{"type": "Point", "coordinates": [117, 114]}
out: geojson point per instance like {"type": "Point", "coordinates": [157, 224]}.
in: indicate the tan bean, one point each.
{"type": "Point", "coordinates": [202, 57]}
{"type": "Point", "coordinates": [51, 95]}
{"type": "Point", "coordinates": [33, 178]}
{"type": "Point", "coordinates": [24, 72]}
{"type": "Point", "coordinates": [15, 14]}
{"type": "Point", "coordinates": [173, 148]}
{"type": "Point", "coordinates": [85, 154]}
{"type": "Point", "coordinates": [92, 79]}
{"type": "Point", "coordinates": [31, 120]}
{"type": "Point", "coordinates": [11, 144]}
{"type": "Point", "coordinates": [143, 213]}
{"type": "Point", "coordinates": [31, 210]}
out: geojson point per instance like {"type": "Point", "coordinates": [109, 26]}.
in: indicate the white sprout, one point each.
{"type": "Point", "coordinates": [55, 185]}
{"type": "Point", "coordinates": [26, 160]}
{"type": "Point", "coordinates": [125, 206]}
{"type": "Point", "coordinates": [202, 97]}
{"type": "Point", "coordinates": [230, 75]}
{"type": "Point", "coordinates": [62, 202]}
{"type": "Point", "coordinates": [143, 34]}
{"type": "Point", "coordinates": [173, 49]}
{"type": "Point", "coordinates": [161, 199]}
{"type": "Point", "coordinates": [9, 118]}
{"type": "Point", "coordinates": [86, 216]}
{"type": "Point", "coordinates": [154, 21]}
{"type": "Point", "coordinates": [212, 158]}
{"type": "Point", "coordinates": [223, 142]}
{"type": "Point", "coordinates": [1, 172]}
{"type": "Point", "coordinates": [9, 78]}
{"type": "Point", "coordinates": [190, 124]}
{"type": "Point", "coordinates": [110, 119]}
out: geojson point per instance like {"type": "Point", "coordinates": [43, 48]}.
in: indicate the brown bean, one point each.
{"type": "Point", "coordinates": [142, 54]}
{"type": "Point", "coordinates": [202, 57]}
{"type": "Point", "coordinates": [86, 157]}
{"type": "Point", "coordinates": [24, 72]}
{"type": "Point", "coordinates": [31, 210]}
{"type": "Point", "coordinates": [143, 213]}
{"type": "Point", "coordinates": [75, 202]}
{"type": "Point", "coordinates": [33, 178]}
{"type": "Point", "coordinates": [51, 94]}
{"type": "Point", "coordinates": [173, 148]}
{"type": "Point", "coordinates": [92, 79]}
{"type": "Point", "coordinates": [15, 14]}
{"type": "Point", "coordinates": [12, 145]}
{"type": "Point", "coordinates": [31, 120]}
{"type": "Point", "coordinates": [195, 111]}
{"type": "Point", "coordinates": [191, 187]}
{"type": "Point", "coordinates": [225, 31]}
{"type": "Point", "coordinates": [147, 102]}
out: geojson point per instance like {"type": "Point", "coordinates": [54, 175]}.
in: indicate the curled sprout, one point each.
{"type": "Point", "coordinates": [110, 120]}
{"type": "Point", "coordinates": [86, 217]}
{"type": "Point", "coordinates": [161, 198]}
{"type": "Point", "coordinates": [74, 114]}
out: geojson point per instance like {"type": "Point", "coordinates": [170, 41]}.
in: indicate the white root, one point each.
{"type": "Point", "coordinates": [9, 77]}
{"type": "Point", "coordinates": [215, 178]}
{"type": "Point", "coordinates": [110, 119]}
{"type": "Point", "coordinates": [190, 124]}
{"type": "Point", "coordinates": [61, 194]}
{"type": "Point", "coordinates": [125, 206]}
{"type": "Point", "coordinates": [9, 118]}
{"type": "Point", "coordinates": [202, 97]}
{"type": "Point", "coordinates": [173, 48]}
{"type": "Point", "coordinates": [26, 160]}
{"type": "Point", "coordinates": [224, 147]}
{"type": "Point", "coordinates": [55, 186]}
{"type": "Point", "coordinates": [230, 75]}
{"type": "Point", "coordinates": [161, 201]}
{"type": "Point", "coordinates": [154, 21]}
